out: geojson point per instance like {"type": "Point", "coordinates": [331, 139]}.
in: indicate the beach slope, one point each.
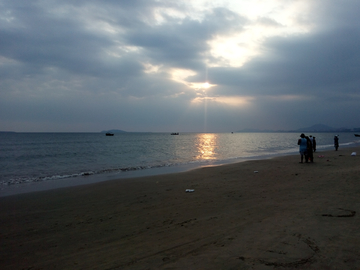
{"type": "Point", "coordinates": [261, 214]}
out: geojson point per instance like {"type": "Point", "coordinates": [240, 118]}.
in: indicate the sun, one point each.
{"type": "Point", "coordinates": [206, 85]}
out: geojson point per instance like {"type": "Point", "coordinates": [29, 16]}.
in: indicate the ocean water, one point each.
{"type": "Point", "coordinates": [41, 157]}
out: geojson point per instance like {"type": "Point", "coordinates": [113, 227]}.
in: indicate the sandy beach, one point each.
{"type": "Point", "coordinates": [263, 214]}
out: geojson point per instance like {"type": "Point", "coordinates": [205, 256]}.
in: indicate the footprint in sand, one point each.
{"type": "Point", "coordinates": [291, 251]}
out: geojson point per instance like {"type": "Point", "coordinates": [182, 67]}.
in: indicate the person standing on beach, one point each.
{"type": "Point", "coordinates": [302, 142]}
{"type": "Point", "coordinates": [309, 150]}
{"type": "Point", "coordinates": [314, 144]}
{"type": "Point", "coordinates": [336, 142]}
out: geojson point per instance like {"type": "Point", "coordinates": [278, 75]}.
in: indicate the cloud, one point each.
{"type": "Point", "coordinates": [141, 65]}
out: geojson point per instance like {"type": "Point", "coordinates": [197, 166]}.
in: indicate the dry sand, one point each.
{"type": "Point", "coordinates": [284, 216]}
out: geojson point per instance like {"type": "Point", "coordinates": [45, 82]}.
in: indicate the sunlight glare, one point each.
{"type": "Point", "coordinates": [206, 145]}
{"type": "Point", "coordinates": [230, 101]}
{"type": "Point", "coordinates": [264, 19]}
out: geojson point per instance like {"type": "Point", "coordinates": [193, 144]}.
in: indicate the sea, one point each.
{"type": "Point", "coordinates": [41, 161]}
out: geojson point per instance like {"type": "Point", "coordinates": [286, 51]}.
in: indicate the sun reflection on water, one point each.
{"type": "Point", "coordinates": [206, 145]}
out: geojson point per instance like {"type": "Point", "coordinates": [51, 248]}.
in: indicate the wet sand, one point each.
{"type": "Point", "coordinates": [264, 214]}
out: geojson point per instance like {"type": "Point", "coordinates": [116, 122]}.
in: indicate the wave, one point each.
{"type": "Point", "coordinates": [22, 180]}
{"type": "Point", "coordinates": [260, 152]}
{"type": "Point", "coordinates": [193, 163]}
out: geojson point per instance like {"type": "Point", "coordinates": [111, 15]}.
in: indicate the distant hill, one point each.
{"type": "Point", "coordinates": [322, 128]}
{"type": "Point", "coordinates": [113, 131]}
{"type": "Point", "coordinates": [317, 128]}
{"type": "Point", "coordinates": [313, 128]}
{"type": "Point", "coordinates": [257, 130]}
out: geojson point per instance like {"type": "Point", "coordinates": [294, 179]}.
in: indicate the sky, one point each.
{"type": "Point", "coordinates": [178, 66]}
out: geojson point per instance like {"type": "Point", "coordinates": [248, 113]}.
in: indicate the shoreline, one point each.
{"type": "Point", "coordinates": [20, 177]}
{"type": "Point", "coordinates": [258, 214]}
{"type": "Point", "coordinates": [22, 188]}
{"type": "Point", "coordinates": [36, 186]}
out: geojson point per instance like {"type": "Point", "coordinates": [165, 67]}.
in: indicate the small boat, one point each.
{"type": "Point", "coordinates": [357, 135]}
{"type": "Point", "coordinates": [175, 133]}
{"type": "Point", "coordinates": [109, 134]}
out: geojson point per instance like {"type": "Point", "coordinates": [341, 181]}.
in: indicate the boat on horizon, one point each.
{"type": "Point", "coordinates": [109, 134]}
{"type": "Point", "coordinates": [357, 135]}
{"type": "Point", "coordinates": [175, 133]}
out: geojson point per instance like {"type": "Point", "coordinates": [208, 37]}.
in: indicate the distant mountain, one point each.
{"type": "Point", "coordinates": [113, 131]}
{"type": "Point", "coordinates": [323, 128]}
{"type": "Point", "coordinates": [317, 128]}
{"type": "Point", "coordinates": [313, 128]}
{"type": "Point", "coordinates": [254, 130]}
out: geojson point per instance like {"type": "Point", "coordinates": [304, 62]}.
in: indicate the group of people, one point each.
{"type": "Point", "coordinates": [307, 148]}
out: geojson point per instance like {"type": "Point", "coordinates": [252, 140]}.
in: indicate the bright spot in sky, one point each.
{"type": "Point", "coordinates": [180, 75]}
{"type": "Point", "coordinates": [262, 19]}
{"type": "Point", "coordinates": [200, 86]}
{"type": "Point", "coordinates": [258, 21]}
{"type": "Point", "coordinates": [242, 101]}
